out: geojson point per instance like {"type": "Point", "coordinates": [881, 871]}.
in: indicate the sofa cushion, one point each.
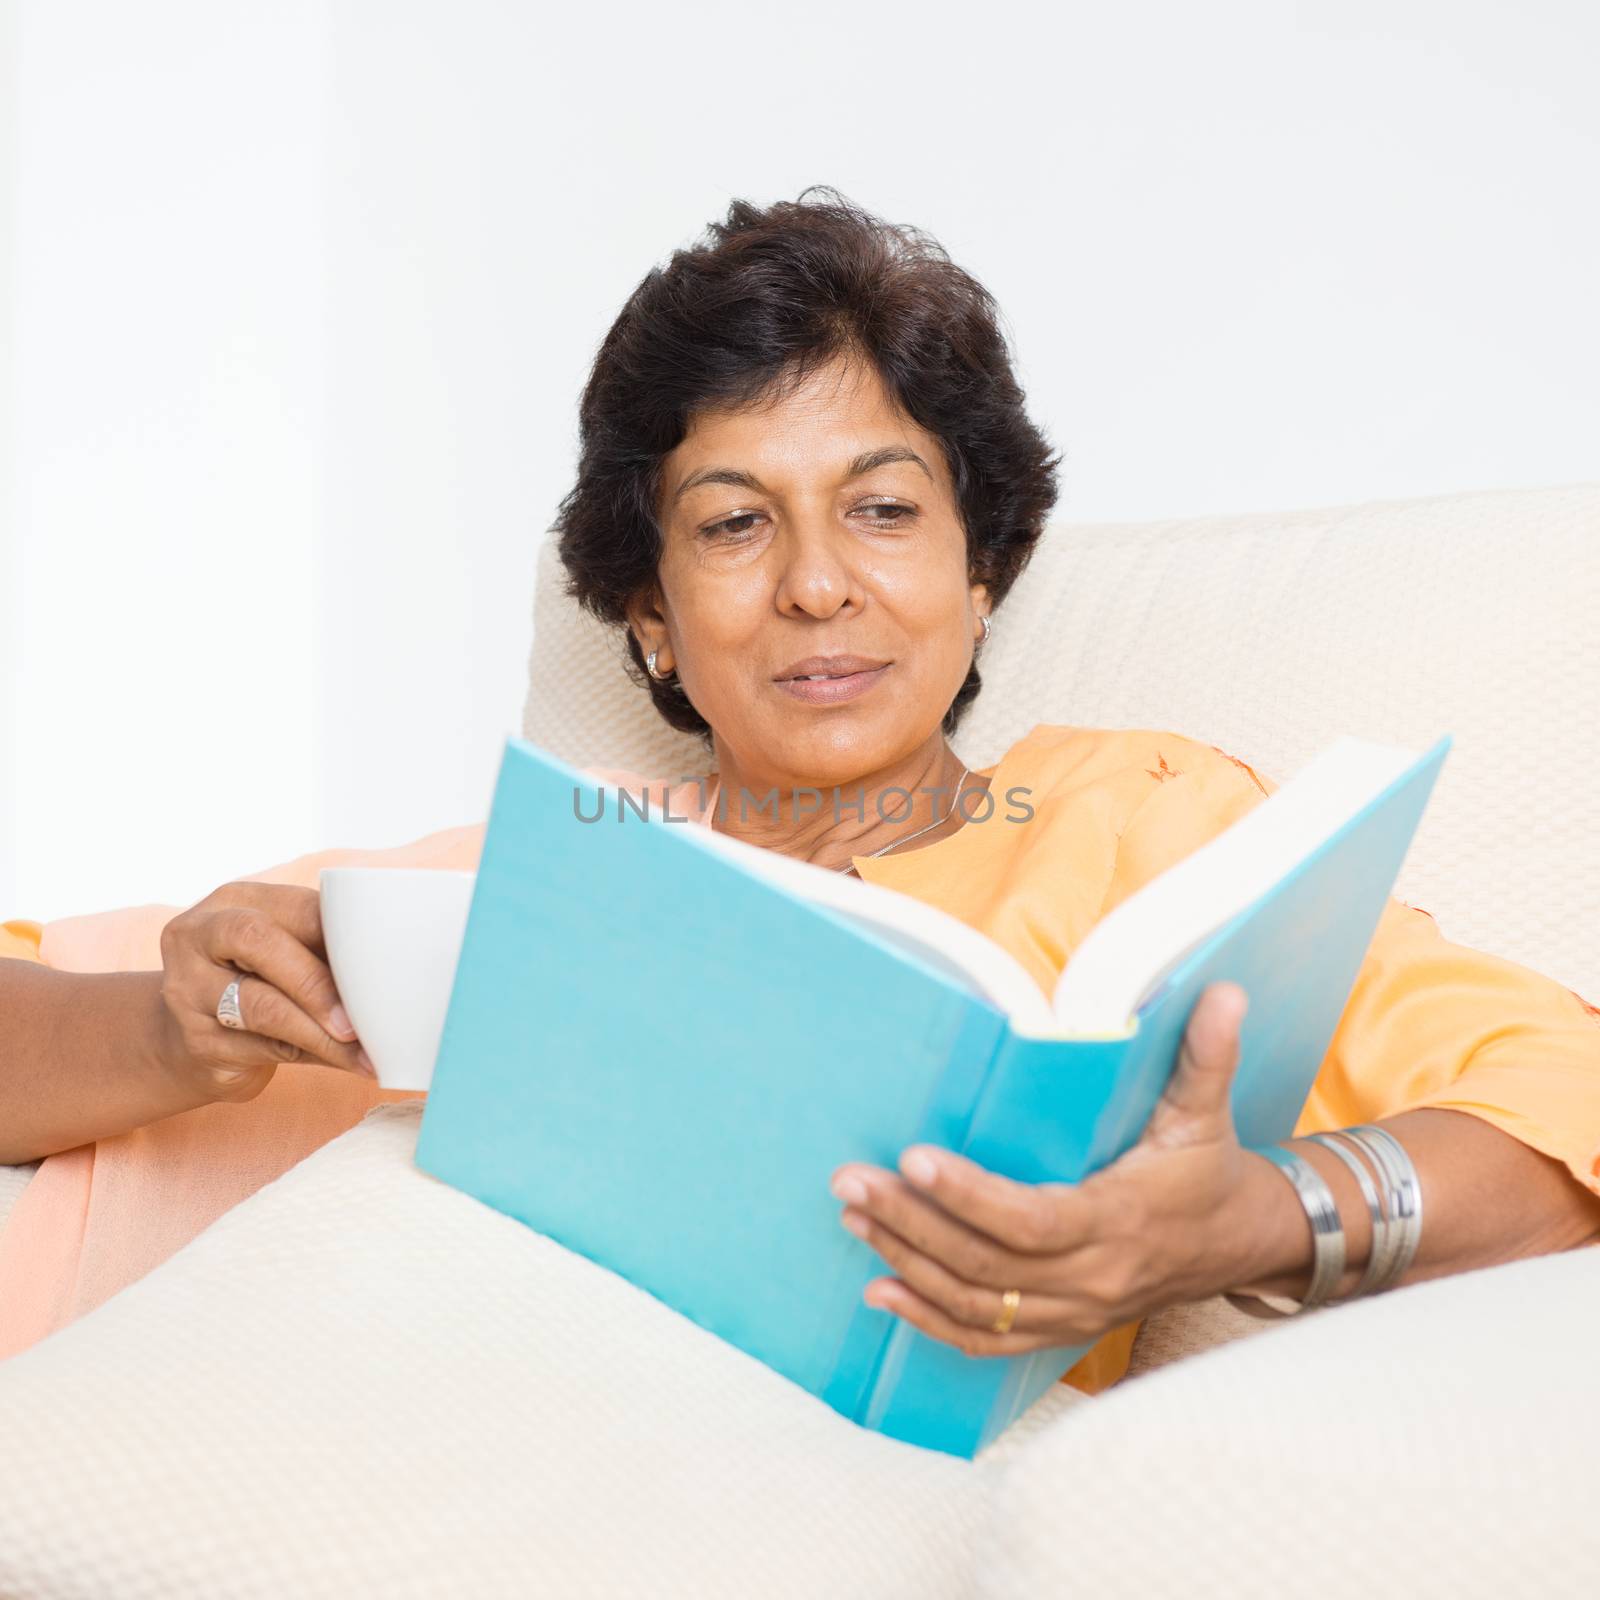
{"type": "Point", "coordinates": [13, 1180]}
{"type": "Point", "coordinates": [363, 1382]}
{"type": "Point", "coordinates": [1435, 1440]}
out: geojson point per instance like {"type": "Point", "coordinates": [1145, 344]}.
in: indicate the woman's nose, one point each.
{"type": "Point", "coordinates": [815, 572]}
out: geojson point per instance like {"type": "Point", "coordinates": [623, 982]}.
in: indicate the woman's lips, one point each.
{"type": "Point", "coordinates": [832, 691]}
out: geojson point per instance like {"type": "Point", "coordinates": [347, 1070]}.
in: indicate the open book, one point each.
{"type": "Point", "coordinates": [1125, 958]}
{"type": "Point", "coordinates": [661, 1041]}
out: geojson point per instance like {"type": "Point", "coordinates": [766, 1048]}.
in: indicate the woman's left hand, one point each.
{"type": "Point", "coordinates": [1185, 1214]}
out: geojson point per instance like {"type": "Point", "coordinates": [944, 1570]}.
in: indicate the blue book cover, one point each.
{"type": "Point", "coordinates": [658, 1058]}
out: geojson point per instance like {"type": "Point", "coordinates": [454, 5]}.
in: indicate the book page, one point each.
{"type": "Point", "coordinates": [1125, 958]}
{"type": "Point", "coordinates": [960, 954]}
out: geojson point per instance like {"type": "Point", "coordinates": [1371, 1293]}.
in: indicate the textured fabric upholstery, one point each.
{"type": "Point", "coordinates": [1401, 1446]}
{"type": "Point", "coordinates": [12, 1182]}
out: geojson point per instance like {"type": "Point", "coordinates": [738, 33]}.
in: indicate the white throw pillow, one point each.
{"type": "Point", "coordinates": [1436, 1440]}
{"type": "Point", "coordinates": [13, 1180]}
{"type": "Point", "coordinates": [363, 1382]}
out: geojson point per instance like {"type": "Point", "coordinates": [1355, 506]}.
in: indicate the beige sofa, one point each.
{"type": "Point", "coordinates": [363, 1382]}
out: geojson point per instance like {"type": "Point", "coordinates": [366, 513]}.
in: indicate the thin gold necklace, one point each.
{"type": "Point", "coordinates": [905, 838]}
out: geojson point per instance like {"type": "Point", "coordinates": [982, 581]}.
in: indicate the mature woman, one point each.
{"type": "Point", "coordinates": [807, 483]}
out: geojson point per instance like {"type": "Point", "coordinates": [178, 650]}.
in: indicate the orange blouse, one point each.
{"type": "Point", "coordinates": [1428, 1022]}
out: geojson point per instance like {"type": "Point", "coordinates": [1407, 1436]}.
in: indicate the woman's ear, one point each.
{"type": "Point", "coordinates": [649, 626]}
{"type": "Point", "coordinates": [980, 600]}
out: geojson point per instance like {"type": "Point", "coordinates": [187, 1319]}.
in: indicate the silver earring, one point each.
{"type": "Point", "coordinates": [988, 628]}
{"type": "Point", "coordinates": [650, 667]}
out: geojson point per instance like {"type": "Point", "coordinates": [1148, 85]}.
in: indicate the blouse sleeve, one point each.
{"type": "Point", "coordinates": [1428, 1022]}
{"type": "Point", "coordinates": [1434, 1023]}
{"type": "Point", "coordinates": [128, 939]}
{"type": "Point", "coordinates": [19, 940]}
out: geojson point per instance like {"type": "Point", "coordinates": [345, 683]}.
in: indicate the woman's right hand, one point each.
{"type": "Point", "coordinates": [288, 1001]}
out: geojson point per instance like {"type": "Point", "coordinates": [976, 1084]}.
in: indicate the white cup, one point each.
{"type": "Point", "coordinates": [393, 936]}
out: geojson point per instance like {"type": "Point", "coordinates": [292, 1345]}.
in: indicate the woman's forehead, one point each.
{"type": "Point", "coordinates": [823, 427]}
{"type": "Point", "coordinates": [856, 466]}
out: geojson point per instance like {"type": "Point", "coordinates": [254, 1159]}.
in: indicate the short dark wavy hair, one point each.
{"type": "Point", "coordinates": [767, 297]}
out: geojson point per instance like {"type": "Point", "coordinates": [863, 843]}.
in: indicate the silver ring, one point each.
{"type": "Point", "coordinates": [228, 1007]}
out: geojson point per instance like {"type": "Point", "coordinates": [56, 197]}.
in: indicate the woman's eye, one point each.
{"type": "Point", "coordinates": [902, 512]}
{"type": "Point", "coordinates": [736, 528]}
{"type": "Point", "coordinates": [727, 525]}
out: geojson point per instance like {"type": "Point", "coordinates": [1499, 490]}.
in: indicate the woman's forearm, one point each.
{"type": "Point", "coordinates": [82, 1056]}
{"type": "Point", "coordinates": [1486, 1198]}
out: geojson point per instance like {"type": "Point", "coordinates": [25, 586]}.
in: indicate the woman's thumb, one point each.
{"type": "Point", "coordinates": [1202, 1077]}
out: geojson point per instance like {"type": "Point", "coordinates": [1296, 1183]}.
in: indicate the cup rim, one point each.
{"type": "Point", "coordinates": [389, 872]}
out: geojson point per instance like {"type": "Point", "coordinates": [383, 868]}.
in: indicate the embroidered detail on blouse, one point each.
{"type": "Point", "coordinates": [1164, 772]}
{"type": "Point", "coordinates": [1245, 765]}
{"type": "Point", "coordinates": [1428, 914]}
{"type": "Point", "coordinates": [1594, 1011]}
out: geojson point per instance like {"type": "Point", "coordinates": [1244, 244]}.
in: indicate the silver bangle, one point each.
{"type": "Point", "coordinates": [1385, 1235]}
{"type": "Point", "coordinates": [1327, 1236]}
{"type": "Point", "coordinates": [1404, 1193]}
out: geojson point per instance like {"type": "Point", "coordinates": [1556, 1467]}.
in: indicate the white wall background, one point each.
{"type": "Point", "coordinates": [299, 300]}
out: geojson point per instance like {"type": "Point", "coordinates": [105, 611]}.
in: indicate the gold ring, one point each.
{"type": "Point", "coordinates": [1011, 1299]}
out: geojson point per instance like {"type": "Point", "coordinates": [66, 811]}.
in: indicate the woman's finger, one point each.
{"type": "Point", "coordinates": [1053, 1219]}
{"type": "Point", "coordinates": [966, 1251]}
{"type": "Point", "coordinates": [275, 1029]}
{"type": "Point", "coordinates": [291, 907]}
{"type": "Point", "coordinates": [1045, 1218]}
{"type": "Point", "coordinates": [971, 1304]}
{"type": "Point", "coordinates": [904, 1301]}
{"type": "Point", "coordinates": [248, 938]}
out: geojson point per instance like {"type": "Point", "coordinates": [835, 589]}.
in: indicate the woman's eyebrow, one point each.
{"type": "Point", "coordinates": [868, 461]}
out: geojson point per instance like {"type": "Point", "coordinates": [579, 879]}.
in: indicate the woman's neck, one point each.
{"type": "Point", "coordinates": [912, 801]}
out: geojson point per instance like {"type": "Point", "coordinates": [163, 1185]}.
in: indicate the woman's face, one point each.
{"type": "Point", "coordinates": [823, 525]}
